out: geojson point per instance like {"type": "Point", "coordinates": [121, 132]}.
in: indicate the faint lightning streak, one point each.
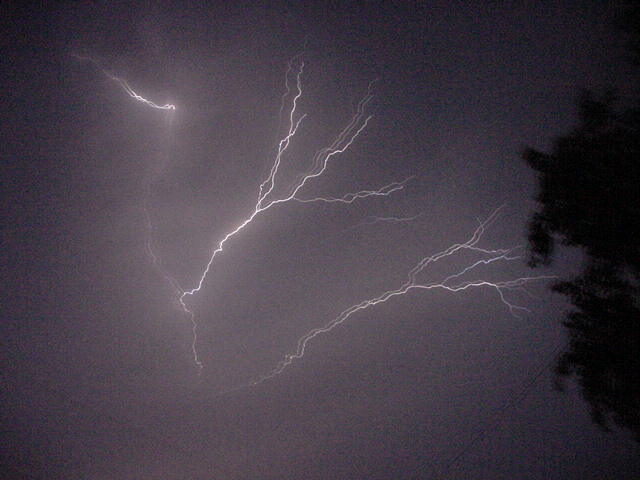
{"type": "Point", "coordinates": [351, 197]}
{"type": "Point", "coordinates": [124, 84]}
{"type": "Point", "coordinates": [393, 219]}
{"type": "Point", "coordinates": [149, 244]}
{"type": "Point", "coordinates": [284, 143]}
{"type": "Point", "coordinates": [412, 284]}
{"type": "Point", "coordinates": [371, 220]}
{"type": "Point", "coordinates": [322, 157]}
{"type": "Point", "coordinates": [284, 96]}
{"type": "Point", "coordinates": [155, 259]}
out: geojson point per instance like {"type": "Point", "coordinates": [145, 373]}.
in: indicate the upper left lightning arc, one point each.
{"type": "Point", "coordinates": [154, 257]}
{"type": "Point", "coordinates": [124, 84]}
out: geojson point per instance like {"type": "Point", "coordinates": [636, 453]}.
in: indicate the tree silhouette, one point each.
{"type": "Point", "coordinates": [589, 197]}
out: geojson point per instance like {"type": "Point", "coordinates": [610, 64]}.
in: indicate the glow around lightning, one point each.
{"type": "Point", "coordinates": [451, 283]}
{"type": "Point", "coordinates": [124, 84]}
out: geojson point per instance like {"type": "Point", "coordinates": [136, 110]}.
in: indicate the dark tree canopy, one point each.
{"type": "Point", "coordinates": [604, 344]}
{"type": "Point", "coordinates": [589, 197]}
{"type": "Point", "coordinates": [589, 187]}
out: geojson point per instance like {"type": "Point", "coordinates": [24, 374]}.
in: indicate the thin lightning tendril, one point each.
{"type": "Point", "coordinates": [351, 197]}
{"type": "Point", "coordinates": [372, 220]}
{"type": "Point", "coordinates": [448, 283]}
{"type": "Point", "coordinates": [149, 244]}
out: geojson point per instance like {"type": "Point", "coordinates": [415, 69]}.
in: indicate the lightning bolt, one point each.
{"type": "Point", "coordinates": [268, 198]}
{"type": "Point", "coordinates": [451, 283]}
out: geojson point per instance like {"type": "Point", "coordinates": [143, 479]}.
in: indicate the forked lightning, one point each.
{"type": "Point", "coordinates": [269, 198]}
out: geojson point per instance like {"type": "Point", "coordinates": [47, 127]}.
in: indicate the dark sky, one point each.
{"type": "Point", "coordinates": [98, 376]}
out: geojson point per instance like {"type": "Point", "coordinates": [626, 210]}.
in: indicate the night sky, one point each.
{"type": "Point", "coordinates": [98, 375]}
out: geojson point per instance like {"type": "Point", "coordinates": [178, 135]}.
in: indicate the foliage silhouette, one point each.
{"type": "Point", "coordinates": [589, 197]}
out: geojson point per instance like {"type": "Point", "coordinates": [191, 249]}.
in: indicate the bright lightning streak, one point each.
{"type": "Point", "coordinates": [371, 220]}
{"type": "Point", "coordinates": [448, 283]}
{"type": "Point", "coordinates": [124, 84]}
